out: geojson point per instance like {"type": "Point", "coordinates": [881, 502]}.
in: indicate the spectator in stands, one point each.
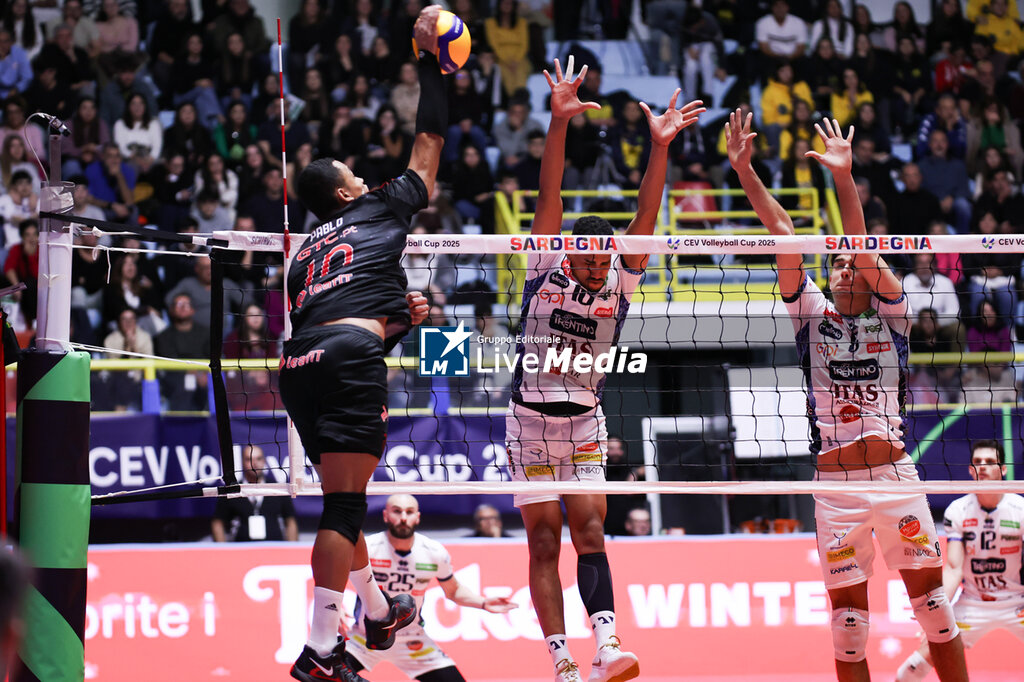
{"type": "Point", "coordinates": [874, 66]}
{"type": "Point", "coordinates": [389, 149]}
{"type": "Point", "coordinates": [236, 74]}
{"type": "Point", "coordinates": [868, 125]}
{"type": "Point", "coordinates": [638, 522]}
{"type": "Point", "coordinates": [251, 172]}
{"type": "Point", "coordinates": [953, 71]}
{"type": "Point", "coordinates": [898, 262]}
{"type": "Point", "coordinates": [618, 468]}
{"type": "Point", "coordinates": [127, 336]}
{"type": "Point", "coordinates": [119, 35]}
{"type": "Point", "coordinates": [867, 165]}
{"type": "Point", "coordinates": [47, 93]}
{"type": "Point", "coordinates": [991, 128]}
{"type": "Point", "coordinates": [825, 73]}
{"type": "Point", "coordinates": [267, 207]}
{"type": "Point", "coordinates": [914, 208]}
{"type": "Point", "coordinates": [296, 133]}
{"type": "Point", "coordinates": [138, 134]}
{"type": "Point", "coordinates": [231, 137]}
{"type": "Point", "coordinates": [487, 523]}
{"type": "Point", "coordinates": [18, 205]}
{"type": "Point", "coordinates": [20, 21]}
{"type": "Point", "coordinates": [508, 185]}
{"type": "Point", "coordinates": [83, 206]}
{"type": "Point", "coordinates": [317, 101]}
{"type": "Point", "coordinates": [241, 18]}
{"type": "Point", "coordinates": [309, 34]}
{"type": "Point", "coordinates": [948, 28]}
{"type": "Point", "coordinates": [119, 89]}
{"type": "Point", "coordinates": [845, 104]}
{"type": "Point", "coordinates": [465, 112]}
{"type": "Point", "coordinates": [630, 141]}
{"type": "Point", "coordinates": [84, 33]}
{"type": "Point", "coordinates": [992, 160]}
{"type": "Point", "coordinates": [872, 206]}
{"type": "Point", "coordinates": [935, 383]}
{"type": "Point", "coordinates": [487, 83]}
{"type": "Point", "coordinates": [361, 100]}
{"type": "Point", "coordinates": [802, 128]}
{"type": "Point", "coordinates": [945, 117]}
{"type": "Point", "coordinates": [946, 179]}
{"type": "Point", "coordinates": [222, 180]}
{"type": "Point", "coordinates": [22, 266]}
{"type": "Point", "coordinates": [834, 27]}
{"type": "Point", "coordinates": [340, 67]}
{"type": "Point", "coordinates": [405, 96]}
{"type": "Point", "coordinates": [780, 36]}
{"type": "Point", "coordinates": [926, 288]}
{"type": "Point", "coordinates": [208, 212]}
{"type": "Point", "coordinates": [73, 64]}
{"type": "Point", "coordinates": [382, 65]}
{"type": "Point", "coordinates": [187, 137]}
{"type": "Point", "coordinates": [250, 338]}
{"type": "Point", "coordinates": [703, 52]}
{"type": "Point", "coordinates": [1006, 33]}
{"type": "Point", "coordinates": [129, 288]}
{"type": "Point", "coordinates": [15, 124]}
{"type": "Point", "coordinates": [777, 101]}
{"type": "Point", "coordinates": [1015, 94]}
{"type": "Point", "coordinates": [1002, 202]}
{"type": "Point", "coordinates": [13, 159]}
{"type": "Point", "coordinates": [528, 169]}
{"type": "Point", "coordinates": [170, 31]}
{"type": "Point", "coordinates": [198, 289]}
{"type": "Point", "coordinates": [863, 24]}
{"type": "Point", "coordinates": [243, 519]}
{"type": "Point", "coordinates": [192, 81]}
{"type": "Point", "coordinates": [360, 24]}
{"type": "Point", "coordinates": [592, 90]}
{"type": "Point", "coordinates": [912, 81]}
{"type": "Point", "coordinates": [175, 190]}
{"type": "Point", "coordinates": [947, 264]}
{"type": "Point", "coordinates": [473, 189]}
{"type": "Point", "coordinates": [508, 35]}
{"type": "Point", "coordinates": [989, 331]}
{"type": "Point", "coordinates": [583, 142]}
{"type": "Point", "coordinates": [927, 336]}
{"type": "Point", "coordinates": [904, 25]}
{"type": "Point", "coordinates": [799, 172]}
{"type": "Point", "coordinates": [979, 85]}
{"type": "Point", "coordinates": [665, 20]}
{"type": "Point", "coordinates": [112, 184]}
{"type": "Point", "coordinates": [511, 134]}
{"type": "Point", "coordinates": [991, 275]}
{"type": "Point", "coordinates": [348, 137]}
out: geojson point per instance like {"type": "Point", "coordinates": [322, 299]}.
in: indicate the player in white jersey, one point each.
{"type": "Point", "coordinates": [404, 562]}
{"type": "Point", "coordinates": [983, 555]}
{"type": "Point", "coordinates": [574, 303]}
{"type": "Point", "coordinates": [853, 351]}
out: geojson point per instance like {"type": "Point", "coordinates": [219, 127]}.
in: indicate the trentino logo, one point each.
{"type": "Point", "coordinates": [444, 351]}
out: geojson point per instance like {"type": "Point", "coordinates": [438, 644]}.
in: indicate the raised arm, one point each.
{"type": "Point", "coordinates": [740, 144]}
{"type": "Point", "coordinates": [432, 113]}
{"type": "Point", "coordinates": [565, 104]}
{"type": "Point", "coordinates": [663, 129]}
{"type": "Point", "coordinates": [838, 158]}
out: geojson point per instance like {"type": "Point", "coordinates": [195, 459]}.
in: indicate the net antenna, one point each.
{"type": "Point", "coordinates": [296, 453]}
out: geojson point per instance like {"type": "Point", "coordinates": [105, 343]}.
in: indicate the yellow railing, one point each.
{"type": "Point", "coordinates": [510, 219]}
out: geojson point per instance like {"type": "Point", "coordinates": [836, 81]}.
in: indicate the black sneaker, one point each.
{"type": "Point", "coordinates": [380, 634]}
{"type": "Point", "coordinates": [311, 667]}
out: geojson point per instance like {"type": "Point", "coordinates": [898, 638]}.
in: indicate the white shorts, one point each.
{"type": "Point", "coordinates": [902, 523]}
{"type": "Point", "coordinates": [414, 653]}
{"type": "Point", "coordinates": [978, 618]}
{"type": "Point", "coordinates": [543, 448]}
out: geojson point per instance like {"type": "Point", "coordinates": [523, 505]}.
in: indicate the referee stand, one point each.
{"type": "Point", "coordinates": [52, 494]}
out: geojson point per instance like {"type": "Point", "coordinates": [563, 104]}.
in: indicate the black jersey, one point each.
{"type": "Point", "coordinates": [350, 265]}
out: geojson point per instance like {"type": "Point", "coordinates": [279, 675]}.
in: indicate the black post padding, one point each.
{"type": "Point", "coordinates": [220, 391]}
{"type": "Point", "coordinates": [145, 234]}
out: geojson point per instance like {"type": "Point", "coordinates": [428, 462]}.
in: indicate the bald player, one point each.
{"type": "Point", "coordinates": [404, 562]}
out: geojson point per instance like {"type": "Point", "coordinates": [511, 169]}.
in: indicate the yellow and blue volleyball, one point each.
{"type": "Point", "coordinates": [453, 42]}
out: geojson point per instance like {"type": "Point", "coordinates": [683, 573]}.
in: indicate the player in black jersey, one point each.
{"type": "Point", "coordinates": [349, 307]}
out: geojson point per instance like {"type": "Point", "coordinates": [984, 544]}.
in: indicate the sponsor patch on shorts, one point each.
{"type": "Point", "coordinates": [586, 457]}
{"type": "Point", "coordinates": [538, 470]}
{"type": "Point", "coordinates": [909, 526]}
{"type": "Point", "coordinates": [841, 554]}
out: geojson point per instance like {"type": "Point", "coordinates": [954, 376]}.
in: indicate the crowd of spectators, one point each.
{"type": "Point", "coordinates": [174, 123]}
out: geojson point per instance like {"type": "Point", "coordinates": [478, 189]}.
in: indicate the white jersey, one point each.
{"type": "Point", "coordinates": [855, 367]}
{"type": "Point", "coordinates": [408, 573]}
{"type": "Point", "coordinates": [992, 546]}
{"type": "Point", "coordinates": [559, 313]}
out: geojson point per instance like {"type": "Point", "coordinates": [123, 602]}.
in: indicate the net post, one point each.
{"type": "Point", "coordinates": [219, 405]}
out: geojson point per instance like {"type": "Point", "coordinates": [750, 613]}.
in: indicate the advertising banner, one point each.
{"type": "Point", "coordinates": [740, 607]}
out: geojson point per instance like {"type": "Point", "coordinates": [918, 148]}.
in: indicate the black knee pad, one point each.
{"type": "Point", "coordinates": [449, 674]}
{"type": "Point", "coordinates": [344, 513]}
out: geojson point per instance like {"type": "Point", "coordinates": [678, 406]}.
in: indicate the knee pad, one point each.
{"type": "Point", "coordinates": [344, 513]}
{"type": "Point", "coordinates": [850, 634]}
{"type": "Point", "coordinates": [935, 616]}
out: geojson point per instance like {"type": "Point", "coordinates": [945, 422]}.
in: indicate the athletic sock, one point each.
{"type": "Point", "coordinates": [558, 646]}
{"type": "Point", "coordinates": [915, 668]}
{"type": "Point", "coordinates": [375, 604]}
{"type": "Point", "coordinates": [603, 623]}
{"type": "Point", "coordinates": [323, 633]}
{"type": "Point", "coordinates": [594, 578]}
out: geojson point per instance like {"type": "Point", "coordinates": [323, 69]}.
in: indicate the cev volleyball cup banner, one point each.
{"type": "Point", "coordinates": [690, 608]}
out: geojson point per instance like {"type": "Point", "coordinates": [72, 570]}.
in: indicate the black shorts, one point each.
{"type": "Point", "coordinates": [334, 386]}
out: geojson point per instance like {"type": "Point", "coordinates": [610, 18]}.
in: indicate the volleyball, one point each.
{"type": "Point", "coordinates": [453, 42]}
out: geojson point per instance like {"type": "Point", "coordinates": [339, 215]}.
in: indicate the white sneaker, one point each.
{"type": "Point", "coordinates": [567, 671]}
{"type": "Point", "coordinates": [612, 664]}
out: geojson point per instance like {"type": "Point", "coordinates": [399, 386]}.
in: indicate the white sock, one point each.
{"type": "Point", "coordinates": [603, 623]}
{"type": "Point", "coordinates": [558, 645]}
{"type": "Point", "coordinates": [323, 633]}
{"type": "Point", "coordinates": [375, 604]}
{"type": "Point", "coordinates": [913, 669]}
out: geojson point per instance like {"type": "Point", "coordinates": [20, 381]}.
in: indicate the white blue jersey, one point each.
{"type": "Point", "coordinates": [992, 546]}
{"type": "Point", "coordinates": [855, 368]}
{"type": "Point", "coordinates": [558, 314]}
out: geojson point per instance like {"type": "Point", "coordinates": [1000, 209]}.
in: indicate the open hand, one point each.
{"type": "Point", "coordinates": [419, 308]}
{"type": "Point", "coordinates": [838, 154]}
{"type": "Point", "coordinates": [424, 31]}
{"type": "Point", "coordinates": [664, 128]}
{"type": "Point", "coordinates": [499, 604]}
{"type": "Point", "coordinates": [565, 103]}
{"type": "Point", "coordinates": [739, 141]}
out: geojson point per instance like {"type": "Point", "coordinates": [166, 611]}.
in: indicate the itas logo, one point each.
{"type": "Point", "coordinates": [988, 242]}
{"type": "Point", "coordinates": [444, 351]}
